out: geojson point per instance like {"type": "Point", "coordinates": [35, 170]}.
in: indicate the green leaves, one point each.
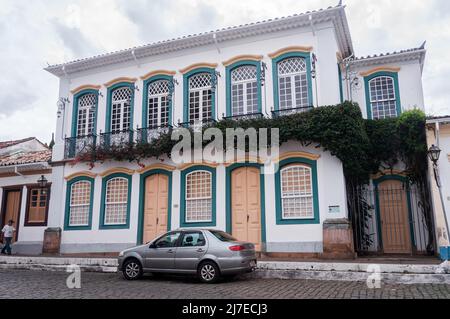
{"type": "Point", "coordinates": [363, 146]}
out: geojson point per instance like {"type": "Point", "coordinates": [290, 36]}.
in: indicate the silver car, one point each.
{"type": "Point", "coordinates": [207, 253]}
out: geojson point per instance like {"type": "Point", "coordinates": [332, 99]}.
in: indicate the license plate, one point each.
{"type": "Point", "coordinates": [253, 263]}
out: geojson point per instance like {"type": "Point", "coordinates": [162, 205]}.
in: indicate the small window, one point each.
{"type": "Point", "coordinates": [80, 201]}
{"type": "Point", "coordinates": [199, 197]}
{"type": "Point", "coordinates": [244, 90]}
{"type": "Point", "coordinates": [158, 104]}
{"type": "Point", "coordinates": [86, 115]}
{"type": "Point", "coordinates": [383, 100]}
{"type": "Point", "coordinates": [121, 110]}
{"type": "Point", "coordinates": [37, 210]}
{"type": "Point", "coordinates": [297, 192]}
{"type": "Point", "coordinates": [168, 241]}
{"type": "Point", "coordinates": [116, 202]}
{"type": "Point", "coordinates": [293, 83]}
{"type": "Point", "coordinates": [200, 97]}
{"type": "Point", "coordinates": [193, 240]}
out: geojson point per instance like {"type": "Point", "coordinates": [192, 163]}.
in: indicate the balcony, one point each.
{"type": "Point", "coordinates": [149, 134]}
{"type": "Point", "coordinates": [117, 138]}
{"type": "Point", "coordinates": [243, 117]}
{"type": "Point", "coordinates": [79, 145]}
{"type": "Point", "coordinates": [197, 124]}
{"type": "Point", "coordinates": [291, 111]}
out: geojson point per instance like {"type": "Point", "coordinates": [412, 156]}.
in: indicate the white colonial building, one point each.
{"type": "Point", "coordinates": [265, 69]}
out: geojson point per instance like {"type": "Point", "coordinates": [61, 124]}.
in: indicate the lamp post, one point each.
{"type": "Point", "coordinates": [434, 154]}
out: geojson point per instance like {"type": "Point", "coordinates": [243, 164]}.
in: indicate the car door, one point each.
{"type": "Point", "coordinates": [191, 248]}
{"type": "Point", "coordinates": [161, 253]}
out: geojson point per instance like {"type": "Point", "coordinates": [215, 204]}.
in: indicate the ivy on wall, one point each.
{"type": "Point", "coordinates": [364, 146]}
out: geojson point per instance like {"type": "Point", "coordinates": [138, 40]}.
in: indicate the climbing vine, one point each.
{"type": "Point", "coordinates": [364, 146]}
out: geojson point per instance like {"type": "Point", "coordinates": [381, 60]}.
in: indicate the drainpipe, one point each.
{"type": "Point", "coordinates": [16, 171]}
{"type": "Point", "coordinates": [216, 43]}
{"type": "Point", "coordinates": [439, 185]}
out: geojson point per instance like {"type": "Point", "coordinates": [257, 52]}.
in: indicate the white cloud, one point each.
{"type": "Point", "coordinates": [34, 32]}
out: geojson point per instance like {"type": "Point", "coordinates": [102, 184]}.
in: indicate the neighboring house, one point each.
{"type": "Point", "coordinates": [438, 134]}
{"type": "Point", "coordinates": [22, 164]}
{"type": "Point", "coordinates": [272, 68]}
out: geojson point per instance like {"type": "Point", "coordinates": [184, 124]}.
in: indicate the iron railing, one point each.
{"type": "Point", "coordinates": [75, 146]}
{"type": "Point", "coordinates": [148, 134]}
{"type": "Point", "coordinates": [116, 138]}
{"type": "Point", "coordinates": [285, 112]}
{"type": "Point", "coordinates": [196, 124]}
{"type": "Point", "coordinates": [250, 116]}
{"type": "Point", "coordinates": [388, 220]}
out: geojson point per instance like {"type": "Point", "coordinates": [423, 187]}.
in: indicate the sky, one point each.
{"type": "Point", "coordinates": [35, 33]}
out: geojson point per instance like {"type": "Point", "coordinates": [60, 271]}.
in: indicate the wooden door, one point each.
{"type": "Point", "coordinates": [156, 206]}
{"type": "Point", "coordinates": [12, 209]}
{"type": "Point", "coordinates": [394, 217]}
{"type": "Point", "coordinates": [246, 205]}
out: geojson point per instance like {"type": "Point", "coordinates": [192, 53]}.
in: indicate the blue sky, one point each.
{"type": "Point", "coordinates": [34, 33]}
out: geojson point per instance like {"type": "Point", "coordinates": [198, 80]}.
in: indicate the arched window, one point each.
{"type": "Point", "coordinates": [199, 197]}
{"type": "Point", "coordinates": [86, 115]}
{"type": "Point", "coordinates": [158, 104]}
{"type": "Point", "coordinates": [80, 204]}
{"type": "Point", "coordinates": [121, 109]}
{"type": "Point", "coordinates": [383, 100]}
{"type": "Point", "coordinates": [244, 90]}
{"type": "Point", "coordinates": [200, 97]}
{"type": "Point", "coordinates": [116, 202]}
{"type": "Point", "coordinates": [293, 83]}
{"type": "Point", "coordinates": [297, 192]}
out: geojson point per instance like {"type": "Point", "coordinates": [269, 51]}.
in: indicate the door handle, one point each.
{"type": "Point", "coordinates": [170, 251]}
{"type": "Point", "coordinates": [200, 250]}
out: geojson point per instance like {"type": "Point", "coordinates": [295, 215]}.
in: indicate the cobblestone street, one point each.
{"type": "Point", "coordinates": [41, 284]}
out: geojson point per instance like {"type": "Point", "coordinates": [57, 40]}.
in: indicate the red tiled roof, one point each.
{"type": "Point", "coordinates": [26, 158]}
{"type": "Point", "coordinates": [16, 142]}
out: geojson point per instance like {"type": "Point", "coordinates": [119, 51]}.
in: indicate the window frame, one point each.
{"type": "Point", "coordinates": [183, 206]}
{"type": "Point", "coordinates": [276, 89]}
{"type": "Point", "coordinates": [75, 110]}
{"type": "Point", "coordinates": [27, 222]}
{"type": "Point", "coordinates": [280, 220]}
{"type": "Point", "coordinates": [287, 167]}
{"type": "Point", "coordinates": [186, 104]}
{"type": "Point", "coordinates": [109, 106]}
{"type": "Point", "coordinates": [229, 88]}
{"type": "Point", "coordinates": [105, 180]}
{"type": "Point", "coordinates": [369, 78]}
{"type": "Point", "coordinates": [146, 97]}
{"type": "Point", "coordinates": [67, 226]}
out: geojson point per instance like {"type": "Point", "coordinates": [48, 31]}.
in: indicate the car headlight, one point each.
{"type": "Point", "coordinates": [121, 254]}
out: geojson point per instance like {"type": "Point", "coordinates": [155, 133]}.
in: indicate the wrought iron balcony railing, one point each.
{"type": "Point", "coordinates": [250, 116]}
{"type": "Point", "coordinates": [78, 145]}
{"type": "Point", "coordinates": [116, 138]}
{"type": "Point", "coordinates": [291, 111]}
{"type": "Point", "coordinates": [196, 124]}
{"type": "Point", "coordinates": [148, 134]}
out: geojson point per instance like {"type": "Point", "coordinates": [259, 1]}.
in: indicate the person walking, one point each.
{"type": "Point", "coordinates": [8, 234]}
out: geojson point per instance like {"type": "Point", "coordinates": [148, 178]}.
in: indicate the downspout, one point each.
{"type": "Point", "coordinates": [16, 171]}
{"type": "Point", "coordinates": [439, 185]}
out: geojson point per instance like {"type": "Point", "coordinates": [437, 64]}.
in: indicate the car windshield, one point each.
{"type": "Point", "coordinates": [222, 236]}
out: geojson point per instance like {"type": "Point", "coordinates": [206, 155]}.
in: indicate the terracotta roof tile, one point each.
{"type": "Point", "coordinates": [16, 142]}
{"type": "Point", "coordinates": [26, 158]}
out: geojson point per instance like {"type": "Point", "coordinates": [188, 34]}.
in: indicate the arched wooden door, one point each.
{"type": "Point", "coordinates": [246, 205]}
{"type": "Point", "coordinates": [394, 217]}
{"type": "Point", "coordinates": [156, 206]}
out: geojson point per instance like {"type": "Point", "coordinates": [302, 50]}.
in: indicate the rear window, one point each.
{"type": "Point", "coordinates": [223, 236]}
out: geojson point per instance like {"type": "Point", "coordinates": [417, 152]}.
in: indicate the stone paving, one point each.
{"type": "Point", "coordinates": [24, 284]}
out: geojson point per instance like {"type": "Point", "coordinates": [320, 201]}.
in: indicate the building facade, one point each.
{"type": "Point", "coordinates": [22, 164]}
{"type": "Point", "coordinates": [267, 69]}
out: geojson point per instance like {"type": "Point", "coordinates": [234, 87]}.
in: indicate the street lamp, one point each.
{"type": "Point", "coordinates": [434, 153]}
{"type": "Point", "coordinates": [42, 182]}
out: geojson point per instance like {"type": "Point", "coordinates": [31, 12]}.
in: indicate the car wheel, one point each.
{"type": "Point", "coordinates": [208, 272]}
{"type": "Point", "coordinates": [132, 270]}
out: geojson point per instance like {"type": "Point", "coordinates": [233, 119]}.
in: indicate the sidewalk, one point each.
{"type": "Point", "coordinates": [427, 272]}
